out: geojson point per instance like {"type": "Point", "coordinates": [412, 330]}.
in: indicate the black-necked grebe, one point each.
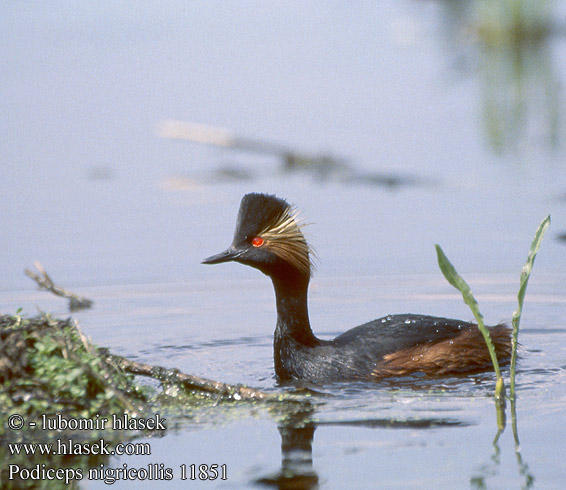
{"type": "Point", "coordinates": [268, 237]}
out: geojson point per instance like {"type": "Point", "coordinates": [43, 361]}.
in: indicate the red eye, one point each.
{"type": "Point", "coordinates": [257, 241]}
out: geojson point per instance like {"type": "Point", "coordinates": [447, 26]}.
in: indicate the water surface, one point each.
{"type": "Point", "coordinates": [403, 89]}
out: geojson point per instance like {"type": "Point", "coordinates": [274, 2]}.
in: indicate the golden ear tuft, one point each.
{"type": "Point", "coordinates": [283, 237]}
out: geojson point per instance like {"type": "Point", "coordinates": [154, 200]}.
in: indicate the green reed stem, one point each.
{"type": "Point", "coordinates": [525, 274]}
{"type": "Point", "coordinates": [456, 280]}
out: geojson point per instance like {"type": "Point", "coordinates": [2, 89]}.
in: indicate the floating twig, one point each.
{"type": "Point", "coordinates": [43, 280]}
{"type": "Point", "coordinates": [190, 382]}
{"type": "Point", "coordinates": [209, 135]}
{"type": "Point", "coordinates": [323, 165]}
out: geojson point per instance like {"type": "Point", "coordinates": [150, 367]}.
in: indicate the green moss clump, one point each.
{"type": "Point", "coordinates": [47, 366]}
{"type": "Point", "coordinates": [48, 369]}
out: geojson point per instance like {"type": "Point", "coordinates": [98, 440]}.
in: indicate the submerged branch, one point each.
{"type": "Point", "coordinates": [322, 165]}
{"type": "Point", "coordinates": [48, 366]}
{"type": "Point", "coordinates": [43, 280]}
{"type": "Point", "coordinates": [188, 381]}
{"type": "Point", "coordinates": [214, 136]}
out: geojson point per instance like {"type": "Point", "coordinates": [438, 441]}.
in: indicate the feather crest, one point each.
{"type": "Point", "coordinates": [283, 237]}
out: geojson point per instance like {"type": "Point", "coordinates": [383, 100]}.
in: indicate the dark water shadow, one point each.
{"type": "Point", "coordinates": [385, 423]}
{"type": "Point", "coordinates": [465, 384]}
{"type": "Point", "coordinates": [297, 427]}
{"type": "Point", "coordinates": [321, 167]}
{"type": "Point", "coordinates": [320, 171]}
{"type": "Point", "coordinates": [297, 432]}
{"type": "Point", "coordinates": [298, 423]}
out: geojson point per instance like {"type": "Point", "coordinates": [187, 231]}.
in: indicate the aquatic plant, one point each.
{"type": "Point", "coordinates": [458, 282]}
{"type": "Point", "coordinates": [47, 366]}
{"type": "Point", "coordinates": [56, 387]}
{"type": "Point", "coordinates": [513, 21]}
{"type": "Point", "coordinates": [525, 274]}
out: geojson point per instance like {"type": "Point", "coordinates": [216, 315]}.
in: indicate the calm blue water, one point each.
{"type": "Point", "coordinates": [124, 217]}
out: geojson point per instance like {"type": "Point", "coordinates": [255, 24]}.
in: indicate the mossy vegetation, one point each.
{"type": "Point", "coordinates": [50, 371]}
{"type": "Point", "coordinates": [47, 366]}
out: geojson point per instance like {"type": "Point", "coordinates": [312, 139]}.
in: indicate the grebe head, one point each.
{"type": "Point", "coordinates": [268, 237]}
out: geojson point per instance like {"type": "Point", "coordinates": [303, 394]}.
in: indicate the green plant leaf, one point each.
{"type": "Point", "coordinates": [524, 280]}
{"type": "Point", "coordinates": [456, 280]}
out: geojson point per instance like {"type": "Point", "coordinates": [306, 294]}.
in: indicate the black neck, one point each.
{"type": "Point", "coordinates": [292, 310]}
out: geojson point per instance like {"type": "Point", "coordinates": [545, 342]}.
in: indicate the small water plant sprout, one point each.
{"type": "Point", "coordinates": [458, 282]}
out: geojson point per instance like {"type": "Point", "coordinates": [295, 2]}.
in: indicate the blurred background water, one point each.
{"type": "Point", "coordinates": [449, 117]}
